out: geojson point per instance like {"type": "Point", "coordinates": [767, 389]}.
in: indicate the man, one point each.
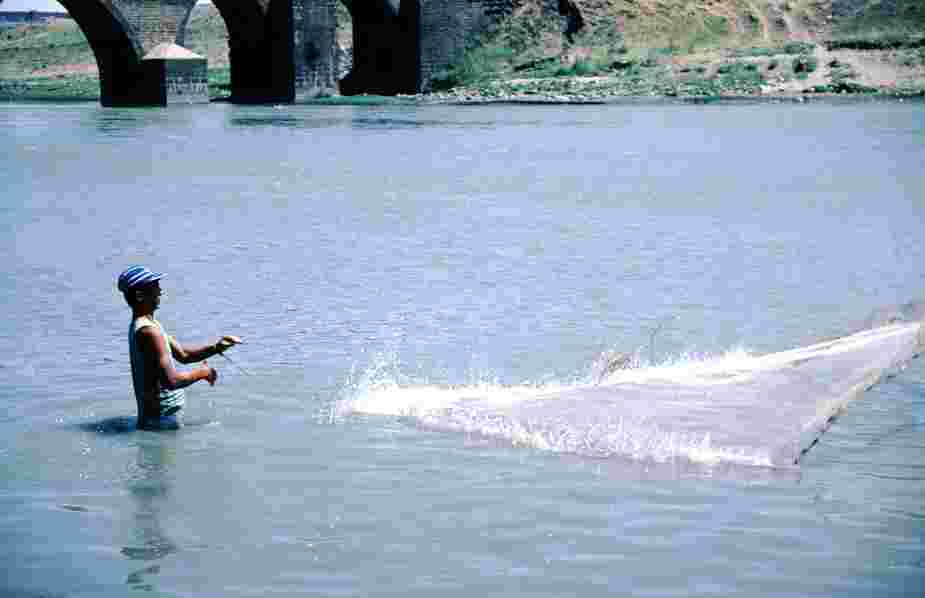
{"type": "Point", "coordinates": [158, 383]}
{"type": "Point", "coordinates": [611, 361]}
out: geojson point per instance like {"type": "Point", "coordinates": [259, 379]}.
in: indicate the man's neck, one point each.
{"type": "Point", "coordinates": [140, 312]}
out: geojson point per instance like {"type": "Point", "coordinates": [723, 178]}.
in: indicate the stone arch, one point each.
{"type": "Point", "coordinates": [386, 47]}
{"type": "Point", "coordinates": [260, 47]}
{"type": "Point", "coordinates": [117, 51]}
{"type": "Point", "coordinates": [121, 33]}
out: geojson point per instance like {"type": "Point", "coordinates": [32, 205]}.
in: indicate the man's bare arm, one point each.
{"type": "Point", "coordinates": [198, 353]}
{"type": "Point", "coordinates": [170, 377]}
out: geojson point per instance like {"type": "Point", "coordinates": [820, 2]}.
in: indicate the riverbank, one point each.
{"type": "Point", "coordinates": [771, 78]}
{"type": "Point", "coordinates": [711, 59]}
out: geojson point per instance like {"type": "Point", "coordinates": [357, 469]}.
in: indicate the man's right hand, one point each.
{"type": "Point", "coordinates": [211, 374]}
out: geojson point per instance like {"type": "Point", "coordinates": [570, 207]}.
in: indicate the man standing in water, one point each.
{"type": "Point", "coordinates": [158, 383]}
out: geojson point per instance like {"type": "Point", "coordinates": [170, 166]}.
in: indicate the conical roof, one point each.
{"type": "Point", "coordinates": [168, 50]}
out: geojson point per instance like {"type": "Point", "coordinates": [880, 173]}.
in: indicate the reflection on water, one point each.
{"type": "Point", "coordinates": [355, 117]}
{"type": "Point", "coordinates": [150, 488]}
{"type": "Point", "coordinates": [281, 119]}
{"type": "Point", "coordinates": [126, 122]}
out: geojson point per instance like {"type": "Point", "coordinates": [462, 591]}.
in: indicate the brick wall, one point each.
{"type": "Point", "coordinates": [186, 81]}
{"type": "Point", "coordinates": [315, 47]}
{"type": "Point", "coordinates": [151, 22]}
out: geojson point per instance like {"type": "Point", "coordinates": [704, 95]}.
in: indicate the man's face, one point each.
{"type": "Point", "coordinates": [151, 294]}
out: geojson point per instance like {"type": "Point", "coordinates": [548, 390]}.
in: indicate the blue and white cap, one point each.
{"type": "Point", "coordinates": [136, 277]}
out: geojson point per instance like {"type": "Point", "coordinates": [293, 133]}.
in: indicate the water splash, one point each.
{"type": "Point", "coordinates": [739, 408]}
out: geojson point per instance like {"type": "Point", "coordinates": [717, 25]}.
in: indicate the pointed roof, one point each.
{"type": "Point", "coordinates": [168, 50]}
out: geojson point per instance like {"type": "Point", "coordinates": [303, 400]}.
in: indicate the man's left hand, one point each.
{"type": "Point", "coordinates": [227, 342]}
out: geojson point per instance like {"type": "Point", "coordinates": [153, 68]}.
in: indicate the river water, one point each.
{"type": "Point", "coordinates": [425, 294]}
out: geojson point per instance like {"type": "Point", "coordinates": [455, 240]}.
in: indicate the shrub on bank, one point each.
{"type": "Point", "coordinates": [219, 82]}
{"type": "Point", "coordinates": [845, 87]}
{"type": "Point", "coordinates": [887, 41]}
{"type": "Point", "coordinates": [912, 58]}
{"type": "Point", "coordinates": [804, 65]}
{"type": "Point", "coordinates": [739, 77]}
{"type": "Point", "coordinates": [69, 87]}
{"type": "Point", "coordinates": [798, 48]}
{"type": "Point", "coordinates": [478, 65]}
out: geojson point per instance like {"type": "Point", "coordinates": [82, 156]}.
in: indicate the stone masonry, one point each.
{"type": "Point", "coordinates": [279, 49]}
{"type": "Point", "coordinates": [183, 75]}
{"type": "Point", "coordinates": [122, 33]}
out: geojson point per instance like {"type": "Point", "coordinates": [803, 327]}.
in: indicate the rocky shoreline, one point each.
{"type": "Point", "coordinates": [20, 94]}
{"type": "Point", "coordinates": [474, 100]}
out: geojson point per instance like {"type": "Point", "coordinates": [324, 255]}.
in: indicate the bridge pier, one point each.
{"type": "Point", "coordinates": [261, 47]}
{"type": "Point", "coordinates": [315, 47]}
{"type": "Point", "coordinates": [386, 47]}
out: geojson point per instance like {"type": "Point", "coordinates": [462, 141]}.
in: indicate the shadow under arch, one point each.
{"type": "Point", "coordinates": [118, 55]}
{"type": "Point", "coordinates": [260, 44]}
{"type": "Point", "coordinates": [386, 47]}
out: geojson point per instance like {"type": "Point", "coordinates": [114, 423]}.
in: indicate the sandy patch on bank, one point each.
{"type": "Point", "coordinates": [881, 68]}
{"type": "Point", "coordinates": [821, 76]}
{"type": "Point", "coordinates": [872, 68]}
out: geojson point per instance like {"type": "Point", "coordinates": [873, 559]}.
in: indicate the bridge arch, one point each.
{"type": "Point", "coordinates": [117, 52]}
{"type": "Point", "coordinates": [120, 33]}
{"type": "Point", "coordinates": [260, 47]}
{"type": "Point", "coordinates": [386, 47]}
{"type": "Point", "coordinates": [278, 49]}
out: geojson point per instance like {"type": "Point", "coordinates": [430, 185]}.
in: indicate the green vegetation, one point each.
{"type": "Point", "coordinates": [841, 78]}
{"type": "Point", "coordinates": [76, 87]}
{"type": "Point", "coordinates": [27, 49]}
{"type": "Point", "coordinates": [207, 36]}
{"type": "Point", "coordinates": [876, 41]}
{"type": "Point", "coordinates": [874, 18]}
{"type": "Point", "coordinates": [786, 49]}
{"type": "Point", "coordinates": [219, 82]}
{"type": "Point", "coordinates": [740, 77]}
{"type": "Point", "coordinates": [582, 67]}
{"type": "Point", "coordinates": [682, 50]}
{"type": "Point", "coordinates": [479, 65]}
{"type": "Point", "coordinates": [359, 100]}
{"type": "Point", "coordinates": [531, 45]}
{"type": "Point", "coordinates": [804, 65]}
{"type": "Point", "coordinates": [912, 58]}
{"type": "Point", "coordinates": [879, 25]}
{"type": "Point", "coordinates": [710, 34]}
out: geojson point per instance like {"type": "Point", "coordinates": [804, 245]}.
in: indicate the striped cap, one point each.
{"type": "Point", "coordinates": [136, 277]}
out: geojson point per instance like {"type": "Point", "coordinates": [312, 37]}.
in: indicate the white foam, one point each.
{"type": "Point", "coordinates": [732, 408]}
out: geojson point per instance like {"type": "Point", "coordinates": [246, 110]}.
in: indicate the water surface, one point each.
{"type": "Point", "coordinates": [424, 294]}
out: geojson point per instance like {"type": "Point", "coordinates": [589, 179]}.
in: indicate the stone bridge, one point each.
{"type": "Point", "coordinates": [279, 49]}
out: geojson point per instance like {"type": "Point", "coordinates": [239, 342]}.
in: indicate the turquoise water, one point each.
{"type": "Point", "coordinates": [425, 295]}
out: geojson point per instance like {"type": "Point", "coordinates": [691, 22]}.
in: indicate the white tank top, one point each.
{"type": "Point", "coordinates": [169, 401]}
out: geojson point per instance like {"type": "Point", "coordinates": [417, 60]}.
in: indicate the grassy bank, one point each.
{"type": "Point", "coordinates": [696, 49]}
{"type": "Point", "coordinates": [54, 61]}
{"type": "Point", "coordinates": [649, 48]}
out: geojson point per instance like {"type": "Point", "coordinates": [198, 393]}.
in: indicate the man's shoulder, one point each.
{"type": "Point", "coordinates": [148, 330]}
{"type": "Point", "coordinates": [142, 322]}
